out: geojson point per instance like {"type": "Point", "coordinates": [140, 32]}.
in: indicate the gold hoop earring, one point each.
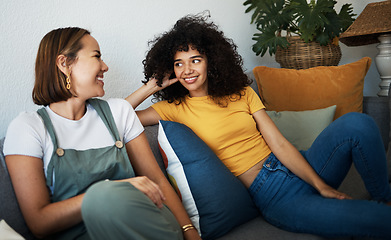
{"type": "Point", "coordinates": [68, 80]}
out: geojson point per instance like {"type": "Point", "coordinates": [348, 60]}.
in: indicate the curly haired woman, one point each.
{"type": "Point", "coordinates": [197, 73]}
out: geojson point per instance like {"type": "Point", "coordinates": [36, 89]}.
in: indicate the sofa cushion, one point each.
{"type": "Point", "coordinates": [319, 87]}
{"type": "Point", "coordinates": [214, 198]}
{"type": "Point", "coordinates": [258, 228]}
{"type": "Point", "coordinates": [9, 208]}
{"type": "Point", "coordinates": [302, 127]}
{"type": "Point", "coordinates": [151, 133]}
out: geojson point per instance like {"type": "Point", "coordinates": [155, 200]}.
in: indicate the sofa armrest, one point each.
{"type": "Point", "coordinates": [378, 109]}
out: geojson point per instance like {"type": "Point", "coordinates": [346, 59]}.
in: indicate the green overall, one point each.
{"type": "Point", "coordinates": [71, 172]}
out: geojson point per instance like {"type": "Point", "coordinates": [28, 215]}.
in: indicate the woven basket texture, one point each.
{"type": "Point", "coordinates": [302, 55]}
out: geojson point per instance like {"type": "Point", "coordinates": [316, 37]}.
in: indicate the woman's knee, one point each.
{"type": "Point", "coordinates": [119, 205]}
{"type": "Point", "coordinates": [358, 123]}
{"type": "Point", "coordinates": [95, 198]}
{"type": "Point", "coordinates": [105, 198]}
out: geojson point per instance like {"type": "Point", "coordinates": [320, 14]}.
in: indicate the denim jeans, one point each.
{"type": "Point", "coordinates": [288, 202]}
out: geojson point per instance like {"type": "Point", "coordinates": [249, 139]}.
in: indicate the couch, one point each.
{"type": "Point", "coordinates": [258, 228]}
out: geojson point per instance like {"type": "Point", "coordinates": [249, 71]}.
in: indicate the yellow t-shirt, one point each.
{"type": "Point", "coordinates": [231, 131]}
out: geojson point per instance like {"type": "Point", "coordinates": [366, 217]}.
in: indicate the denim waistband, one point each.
{"type": "Point", "coordinates": [262, 175]}
{"type": "Point", "coordinates": [270, 165]}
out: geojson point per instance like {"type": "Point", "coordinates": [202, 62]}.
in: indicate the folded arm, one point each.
{"type": "Point", "coordinates": [42, 217]}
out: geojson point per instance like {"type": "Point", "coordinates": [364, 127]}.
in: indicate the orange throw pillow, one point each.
{"type": "Point", "coordinates": [314, 88]}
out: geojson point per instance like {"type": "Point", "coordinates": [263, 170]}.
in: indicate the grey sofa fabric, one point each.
{"type": "Point", "coordinates": [377, 107]}
{"type": "Point", "coordinates": [389, 134]}
{"type": "Point", "coordinates": [152, 133]}
{"type": "Point", "coordinates": [257, 228]}
{"type": "Point", "coordinates": [9, 208]}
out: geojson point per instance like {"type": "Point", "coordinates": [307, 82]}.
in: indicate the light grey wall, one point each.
{"type": "Point", "coordinates": [123, 28]}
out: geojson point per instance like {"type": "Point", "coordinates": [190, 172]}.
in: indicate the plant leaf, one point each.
{"type": "Point", "coordinates": [346, 16]}
{"type": "Point", "coordinates": [267, 13]}
{"type": "Point", "coordinates": [311, 17]}
{"type": "Point", "coordinates": [268, 41]}
{"type": "Point", "coordinates": [314, 20]}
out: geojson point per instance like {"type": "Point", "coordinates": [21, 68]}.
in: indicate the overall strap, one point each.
{"type": "Point", "coordinates": [56, 150]}
{"type": "Point", "coordinates": [103, 110]}
{"type": "Point", "coordinates": [49, 126]}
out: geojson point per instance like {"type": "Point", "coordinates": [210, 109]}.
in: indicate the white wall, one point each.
{"type": "Point", "coordinates": [123, 28]}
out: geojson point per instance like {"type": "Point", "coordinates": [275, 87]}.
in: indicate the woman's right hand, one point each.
{"type": "Point", "coordinates": [149, 188]}
{"type": "Point", "coordinates": [153, 82]}
{"type": "Point", "coordinates": [152, 86]}
{"type": "Point", "coordinates": [329, 192]}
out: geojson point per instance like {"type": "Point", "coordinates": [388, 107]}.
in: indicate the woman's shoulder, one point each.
{"type": "Point", "coordinates": [24, 130]}
{"type": "Point", "coordinates": [250, 93]}
{"type": "Point", "coordinates": [122, 111]}
{"type": "Point", "coordinates": [119, 105]}
{"type": "Point", "coordinates": [118, 101]}
{"type": "Point", "coordinates": [249, 89]}
{"type": "Point", "coordinates": [164, 103]}
{"type": "Point", "coordinates": [27, 119]}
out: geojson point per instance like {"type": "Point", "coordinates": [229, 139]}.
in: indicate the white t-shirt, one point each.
{"type": "Point", "coordinates": [27, 135]}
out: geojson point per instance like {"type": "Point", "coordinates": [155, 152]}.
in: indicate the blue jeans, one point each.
{"type": "Point", "coordinates": [288, 202]}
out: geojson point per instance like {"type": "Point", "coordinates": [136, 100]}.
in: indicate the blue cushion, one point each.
{"type": "Point", "coordinates": [214, 198]}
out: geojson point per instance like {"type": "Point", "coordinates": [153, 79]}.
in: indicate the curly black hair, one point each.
{"type": "Point", "coordinates": [225, 73]}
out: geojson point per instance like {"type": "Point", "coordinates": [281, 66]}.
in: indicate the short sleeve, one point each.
{"type": "Point", "coordinates": [253, 100]}
{"type": "Point", "coordinates": [128, 124]}
{"type": "Point", "coordinates": [25, 136]}
{"type": "Point", "coordinates": [165, 110]}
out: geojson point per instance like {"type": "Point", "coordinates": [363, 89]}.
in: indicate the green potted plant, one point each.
{"type": "Point", "coordinates": [282, 22]}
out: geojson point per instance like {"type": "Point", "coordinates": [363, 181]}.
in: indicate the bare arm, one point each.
{"type": "Point", "coordinates": [144, 164]}
{"type": "Point", "coordinates": [148, 116]}
{"type": "Point", "coordinates": [290, 157]}
{"type": "Point", "coordinates": [42, 217]}
{"type": "Point", "coordinates": [145, 91]}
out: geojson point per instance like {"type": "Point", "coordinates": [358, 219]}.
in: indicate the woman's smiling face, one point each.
{"type": "Point", "coordinates": [191, 69]}
{"type": "Point", "coordinates": [87, 71]}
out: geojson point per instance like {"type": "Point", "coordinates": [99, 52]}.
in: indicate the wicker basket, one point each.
{"type": "Point", "coordinates": [302, 55]}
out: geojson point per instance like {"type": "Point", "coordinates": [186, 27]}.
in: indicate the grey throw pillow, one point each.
{"type": "Point", "coordinates": [302, 127]}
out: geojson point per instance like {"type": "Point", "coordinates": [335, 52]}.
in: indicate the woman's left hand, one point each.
{"type": "Point", "coordinates": [329, 192]}
{"type": "Point", "coordinates": [149, 188]}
